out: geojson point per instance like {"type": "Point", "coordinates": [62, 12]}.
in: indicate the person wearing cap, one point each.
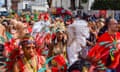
{"type": "Point", "coordinates": [105, 55]}
{"type": "Point", "coordinates": [30, 61]}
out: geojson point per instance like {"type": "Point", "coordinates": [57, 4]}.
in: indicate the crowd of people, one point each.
{"type": "Point", "coordinates": [40, 42]}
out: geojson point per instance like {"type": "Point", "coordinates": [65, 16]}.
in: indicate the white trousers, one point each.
{"type": "Point", "coordinates": [72, 52]}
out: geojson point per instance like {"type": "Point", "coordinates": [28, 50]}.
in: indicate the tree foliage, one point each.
{"type": "Point", "coordinates": [84, 1]}
{"type": "Point", "coordinates": [106, 5]}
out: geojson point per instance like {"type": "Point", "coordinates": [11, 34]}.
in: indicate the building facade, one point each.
{"type": "Point", "coordinates": [67, 4]}
{"type": "Point", "coordinates": [33, 5]}
{"type": "Point", "coordinates": [72, 4]}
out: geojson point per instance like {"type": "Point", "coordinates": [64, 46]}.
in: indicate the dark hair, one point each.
{"type": "Point", "coordinates": [105, 27]}
{"type": "Point", "coordinates": [108, 20]}
{"type": "Point", "coordinates": [63, 41]}
{"type": "Point", "coordinates": [77, 65]}
{"type": "Point", "coordinates": [6, 22]}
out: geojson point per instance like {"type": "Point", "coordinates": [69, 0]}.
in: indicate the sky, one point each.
{"type": "Point", "coordinates": [2, 2]}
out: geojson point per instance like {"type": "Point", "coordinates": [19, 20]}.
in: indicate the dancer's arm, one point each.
{"type": "Point", "coordinates": [16, 68]}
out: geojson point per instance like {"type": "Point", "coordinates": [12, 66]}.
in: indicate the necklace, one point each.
{"type": "Point", "coordinates": [114, 41]}
{"type": "Point", "coordinates": [29, 64]}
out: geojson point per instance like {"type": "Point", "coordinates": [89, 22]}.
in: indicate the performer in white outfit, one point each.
{"type": "Point", "coordinates": [77, 34]}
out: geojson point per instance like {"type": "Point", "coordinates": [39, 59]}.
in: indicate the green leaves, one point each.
{"type": "Point", "coordinates": [106, 5]}
{"type": "Point", "coordinates": [84, 1]}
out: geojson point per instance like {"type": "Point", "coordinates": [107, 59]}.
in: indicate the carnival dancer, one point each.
{"type": "Point", "coordinates": [57, 49]}
{"type": "Point", "coordinates": [30, 61]}
{"type": "Point", "coordinates": [105, 54]}
{"type": "Point", "coordinates": [77, 34]}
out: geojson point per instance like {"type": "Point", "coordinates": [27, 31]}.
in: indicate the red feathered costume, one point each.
{"type": "Point", "coordinates": [102, 52]}
{"type": "Point", "coordinates": [11, 52]}
{"type": "Point", "coordinates": [61, 63]}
